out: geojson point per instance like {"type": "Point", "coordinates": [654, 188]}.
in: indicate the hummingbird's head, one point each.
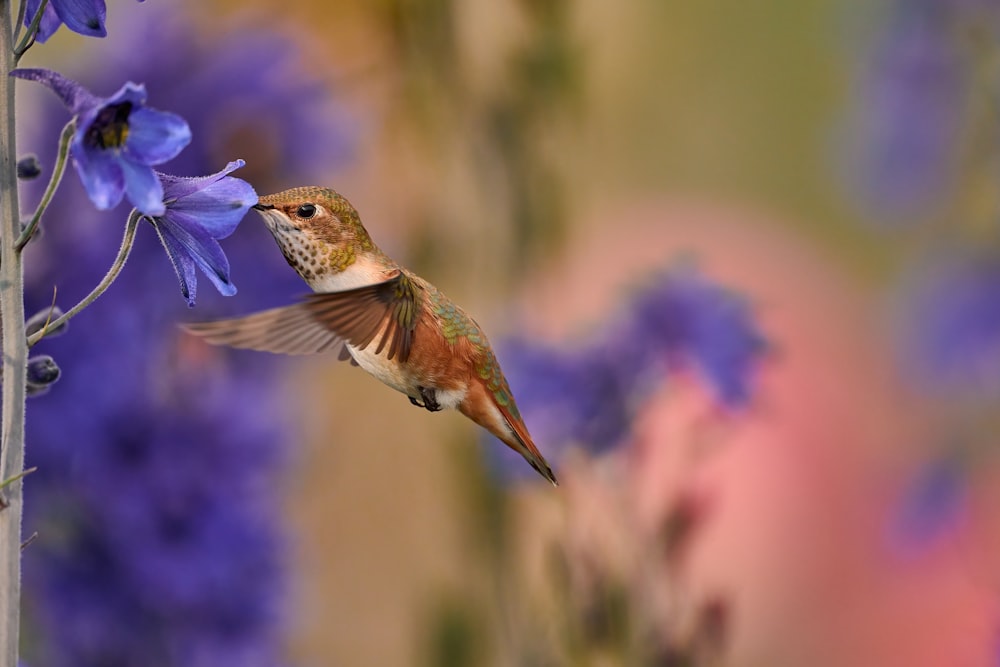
{"type": "Point", "coordinates": [316, 228]}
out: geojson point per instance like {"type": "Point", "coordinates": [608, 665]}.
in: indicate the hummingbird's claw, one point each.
{"type": "Point", "coordinates": [430, 399]}
{"type": "Point", "coordinates": [415, 402]}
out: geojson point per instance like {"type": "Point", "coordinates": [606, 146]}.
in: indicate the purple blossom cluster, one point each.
{"type": "Point", "coordinates": [160, 538]}
{"type": "Point", "coordinates": [589, 394]}
{"type": "Point", "coordinates": [922, 136]}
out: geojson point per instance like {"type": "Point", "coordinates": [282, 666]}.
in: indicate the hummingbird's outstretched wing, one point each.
{"type": "Point", "coordinates": [285, 330]}
{"type": "Point", "coordinates": [327, 319]}
{"type": "Point", "coordinates": [388, 309]}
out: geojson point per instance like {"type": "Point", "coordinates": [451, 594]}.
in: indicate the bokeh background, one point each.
{"type": "Point", "coordinates": [741, 263]}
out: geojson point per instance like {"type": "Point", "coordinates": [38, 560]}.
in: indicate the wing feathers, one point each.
{"type": "Point", "coordinates": [286, 330]}
{"type": "Point", "coordinates": [386, 310]}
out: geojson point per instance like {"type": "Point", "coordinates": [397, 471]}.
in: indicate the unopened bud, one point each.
{"type": "Point", "coordinates": [39, 320]}
{"type": "Point", "coordinates": [42, 372]}
{"type": "Point", "coordinates": [29, 168]}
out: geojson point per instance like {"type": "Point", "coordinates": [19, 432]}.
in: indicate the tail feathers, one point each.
{"type": "Point", "coordinates": [518, 439]}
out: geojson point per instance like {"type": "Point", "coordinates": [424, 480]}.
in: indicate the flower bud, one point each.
{"type": "Point", "coordinates": [37, 321]}
{"type": "Point", "coordinates": [29, 168]}
{"type": "Point", "coordinates": [42, 372]}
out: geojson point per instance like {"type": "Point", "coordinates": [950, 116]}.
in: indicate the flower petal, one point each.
{"type": "Point", "coordinates": [50, 20]}
{"type": "Point", "coordinates": [76, 98]}
{"type": "Point", "coordinates": [85, 17]}
{"type": "Point", "coordinates": [175, 187]}
{"type": "Point", "coordinates": [143, 187]}
{"type": "Point", "coordinates": [155, 136]}
{"type": "Point", "coordinates": [181, 261]}
{"type": "Point", "coordinates": [101, 174]}
{"type": "Point", "coordinates": [188, 240]}
{"type": "Point", "coordinates": [129, 92]}
{"type": "Point", "coordinates": [218, 209]}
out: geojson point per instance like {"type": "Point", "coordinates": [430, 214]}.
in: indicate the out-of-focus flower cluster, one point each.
{"type": "Point", "coordinates": [612, 584]}
{"type": "Point", "coordinates": [588, 394]}
{"type": "Point", "coordinates": [159, 530]}
{"type": "Point", "coordinates": [927, 125]}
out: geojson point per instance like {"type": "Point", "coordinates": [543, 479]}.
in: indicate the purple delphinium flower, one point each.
{"type": "Point", "coordinates": [949, 321]}
{"type": "Point", "coordinates": [83, 16]}
{"type": "Point", "coordinates": [199, 211]}
{"type": "Point", "coordinates": [117, 141]}
{"type": "Point", "coordinates": [913, 97]}
{"type": "Point", "coordinates": [160, 540]}
{"type": "Point", "coordinates": [589, 393]}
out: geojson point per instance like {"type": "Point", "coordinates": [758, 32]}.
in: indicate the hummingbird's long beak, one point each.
{"type": "Point", "coordinates": [263, 207]}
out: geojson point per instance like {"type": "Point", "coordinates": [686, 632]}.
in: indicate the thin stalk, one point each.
{"type": "Point", "coordinates": [123, 253]}
{"type": "Point", "coordinates": [15, 357]}
{"type": "Point", "coordinates": [29, 37]}
{"type": "Point", "coordinates": [22, 7]}
{"type": "Point", "coordinates": [50, 189]}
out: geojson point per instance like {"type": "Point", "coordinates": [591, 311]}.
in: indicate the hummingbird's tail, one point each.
{"type": "Point", "coordinates": [498, 420]}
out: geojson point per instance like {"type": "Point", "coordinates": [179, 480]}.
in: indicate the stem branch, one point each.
{"type": "Point", "coordinates": [123, 253]}
{"type": "Point", "coordinates": [57, 173]}
{"type": "Point", "coordinates": [29, 37]}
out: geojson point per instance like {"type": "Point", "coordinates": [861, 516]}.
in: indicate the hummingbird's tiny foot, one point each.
{"type": "Point", "coordinates": [415, 402]}
{"type": "Point", "coordinates": [430, 399]}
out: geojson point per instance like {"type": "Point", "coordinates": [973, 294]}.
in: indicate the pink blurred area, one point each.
{"type": "Point", "coordinates": [803, 487]}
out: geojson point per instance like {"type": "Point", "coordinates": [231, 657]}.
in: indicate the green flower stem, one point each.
{"type": "Point", "coordinates": [15, 357]}
{"type": "Point", "coordinates": [123, 253]}
{"type": "Point", "coordinates": [22, 7]}
{"type": "Point", "coordinates": [29, 37]}
{"type": "Point", "coordinates": [50, 189]}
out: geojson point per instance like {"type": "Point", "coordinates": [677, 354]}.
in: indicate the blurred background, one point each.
{"type": "Point", "coordinates": [741, 264]}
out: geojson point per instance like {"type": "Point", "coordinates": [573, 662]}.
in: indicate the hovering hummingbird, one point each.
{"type": "Point", "coordinates": [385, 319]}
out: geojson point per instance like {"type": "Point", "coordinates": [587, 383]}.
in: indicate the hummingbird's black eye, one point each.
{"type": "Point", "coordinates": [306, 211]}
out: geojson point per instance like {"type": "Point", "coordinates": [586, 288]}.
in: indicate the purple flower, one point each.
{"type": "Point", "coordinates": [588, 394]}
{"type": "Point", "coordinates": [684, 320]}
{"type": "Point", "coordinates": [576, 395]}
{"type": "Point", "coordinates": [915, 93]}
{"type": "Point", "coordinates": [933, 503]}
{"type": "Point", "coordinates": [83, 16]}
{"type": "Point", "coordinates": [117, 141]}
{"type": "Point", "coordinates": [950, 324]}
{"type": "Point", "coordinates": [199, 211]}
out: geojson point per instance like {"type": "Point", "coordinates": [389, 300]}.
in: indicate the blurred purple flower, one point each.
{"type": "Point", "coordinates": [950, 324]}
{"type": "Point", "coordinates": [159, 536]}
{"type": "Point", "coordinates": [933, 503]}
{"type": "Point", "coordinates": [589, 394]}
{"type": "Point", "coordinates": [83, 16]}
{"type": "Point", "coordinates": [913, 98]}
{"type": "Point", "coordinates": [117, 141]}
{"type": "Point", "coordinates": [198, 212]}
{"type": "Point", "coordinates": [573, 395]}
{"type": "Point", "coordinates": [683, 320]}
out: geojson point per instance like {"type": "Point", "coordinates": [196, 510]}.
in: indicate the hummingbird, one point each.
{"type": "Point", "coordinates": [382, 317]}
